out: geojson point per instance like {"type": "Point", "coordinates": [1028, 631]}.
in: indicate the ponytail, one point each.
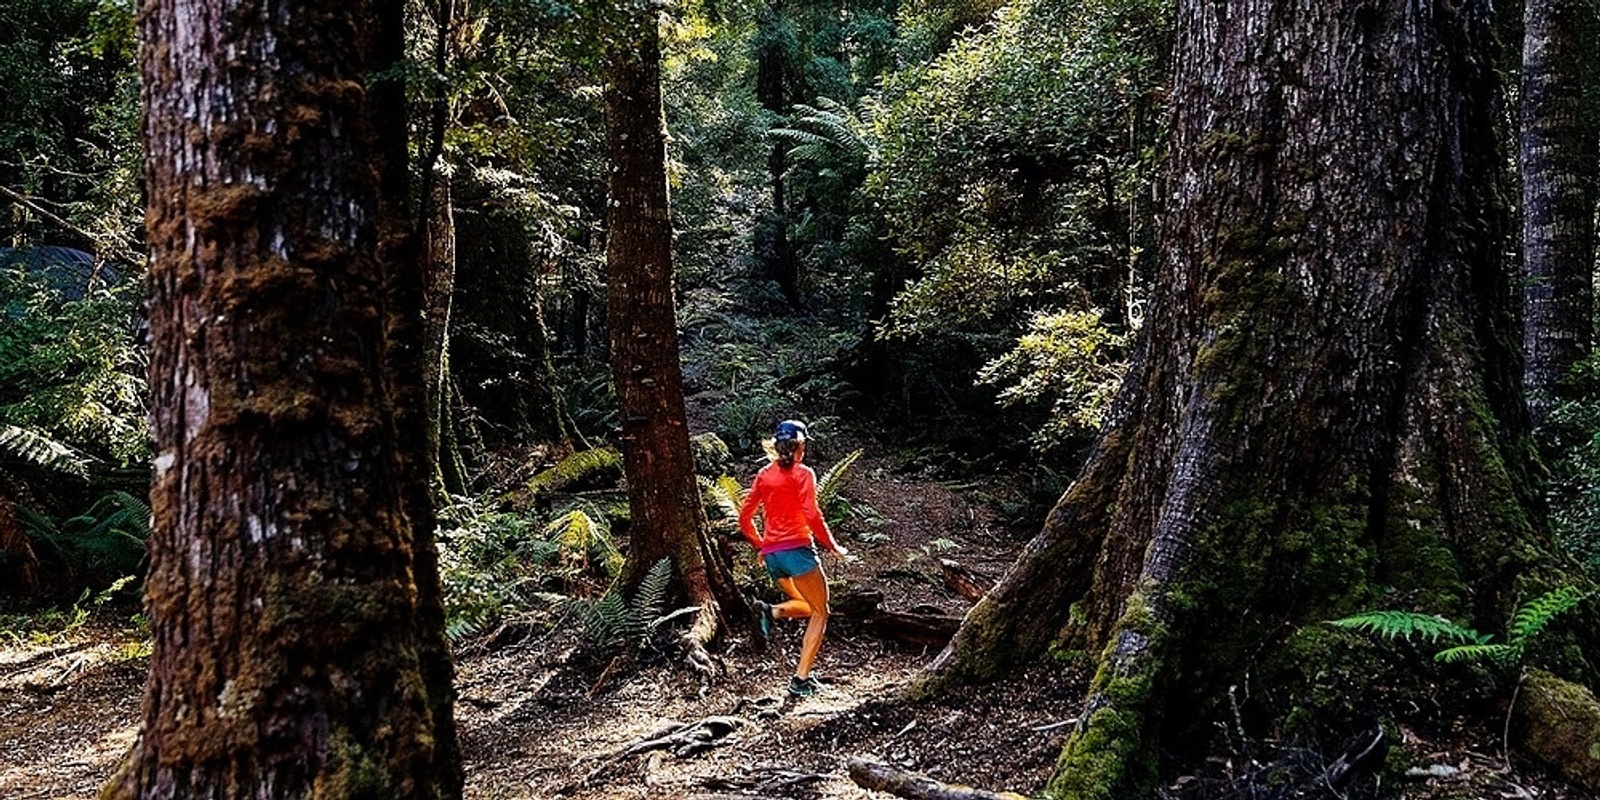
{"type": "Point", "coordinates": [786, 450]}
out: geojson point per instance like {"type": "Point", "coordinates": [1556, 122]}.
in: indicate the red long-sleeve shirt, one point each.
{"type": "Point", "coordinates": [791, 517]}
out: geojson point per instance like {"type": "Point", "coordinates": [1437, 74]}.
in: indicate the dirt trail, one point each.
{"type": "Point", "coordinates": [540, 718]}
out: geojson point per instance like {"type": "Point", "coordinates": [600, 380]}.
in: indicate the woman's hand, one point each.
{"type": "Point", "coordinates": [840, 550]}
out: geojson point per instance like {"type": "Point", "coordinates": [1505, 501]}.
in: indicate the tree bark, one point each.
{"type": "Point", "coordinates": [19, 573]}
{"type": "Point", "coordinates": [293, 594]}
{"type": "Point", "coordinates": [772, 91]}
{"type": "Point", "coordinates": [1560, 154]}
{"type": "Point", "coordinates": [438, 294]}
{"type": "Point", "coordinates": [1323, 412]}
{"type": "Point", "coordinates": [667, 516]}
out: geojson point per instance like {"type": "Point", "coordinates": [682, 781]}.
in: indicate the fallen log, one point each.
{"type": "Point", "coordinates": [880, 777]}
{"type": "Point", "coordinates": [923, 626]}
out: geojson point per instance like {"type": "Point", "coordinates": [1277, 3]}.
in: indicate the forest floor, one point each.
{"type": "Point", "coordinates": [540, 717]}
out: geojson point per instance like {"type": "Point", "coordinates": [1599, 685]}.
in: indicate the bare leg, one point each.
{"type": "Point", "coordinates": [813, 589]}
{"type": "Point", "coordinates": [793, 608]}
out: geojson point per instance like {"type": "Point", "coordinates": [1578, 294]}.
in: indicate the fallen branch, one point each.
{"type": "Point", "coordinates": [117, 248]}
{"type": "Point", "coordinates": [691, 738]}
{"type": "Point", "coordinates": [881, 777]}
{"type": "Point", "coordinates": [963, 580]}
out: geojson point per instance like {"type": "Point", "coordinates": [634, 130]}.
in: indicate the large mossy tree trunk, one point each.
{"type": "Point", "coordinates": [298, 635]}
{"type": "Point", "coordinates": [1323, 414]}
{"type": "Point", "coordinates": [1560, 181]}
{"type": "Point", "coordinates": [667, 515]}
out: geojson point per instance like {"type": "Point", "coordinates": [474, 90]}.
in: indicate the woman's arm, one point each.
{"type": "Point", "coordinates": [747, 514]}
{"type": "Point", "coordinates": [813, 514]}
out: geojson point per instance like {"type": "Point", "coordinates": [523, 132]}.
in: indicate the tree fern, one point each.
{"type": "Point", "coordinates": [37, 448]}
{"type": "Point", "coordinates": [107, 540]}
{"type": "Point", "coordinates": [825, 138]}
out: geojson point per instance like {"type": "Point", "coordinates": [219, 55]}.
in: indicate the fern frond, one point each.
{"type": "Point", "coordinates": [726, 493]}
{"type": "Point", "coordinates": [1393, 625]}
{"type": "Point", "coordinates": [31, 445]}
{"type": "Point", "coordinates": [824, 137]}
{"type": "Point", "coordinates": [574, 531]}
{"type": "Point", "coordinates": [652, 595]}
{"type": "Point", "coordinates": [607, 622]}
{"type": "Point", "coordinates": [832, 481]}
{"type": "Point", "coordinates": [1502, 654]}
{"type": "Point", "coordinates": [1532, 617]}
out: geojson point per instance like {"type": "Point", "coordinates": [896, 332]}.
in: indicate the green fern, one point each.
{"type": "Point", "coordinates": [33, 446]}
{"type": "Point", "coordinates": [1531, 617]}
{"type": "Point", "coordinates": [1392, 625]}
{"type": "Point", "coordinates": [582, 541]}
{"type": "Point", "coordinates": [107, 539]}
{"type": "Point", "coordinates": [825, 138]}
{"type": "Point", "coordinates": [1501, 654]}
{"type": "Point", "coordinates": [1529, 620]}
{"type": "Point", "coordinates": [725, 494]}
{"type": "Point", "coordinates": [652, 595]}
{"type": "Point", "coordinates": [613, 621]}
{"type": "Point", "coordinates": [832, 481]}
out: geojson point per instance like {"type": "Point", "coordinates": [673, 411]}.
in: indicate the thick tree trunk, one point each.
{"type": "Point", "coordinates": [1560, 163]}
{"type": "Point", "coordinates": [1324, 411]}
{"type": "Point", "coordinates": [667, 515]}
{"type": "Point", "coordinates": [293, 596]}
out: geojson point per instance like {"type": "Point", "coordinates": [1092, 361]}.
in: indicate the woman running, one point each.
{"type": "Point", "coordinates": [793, 525]}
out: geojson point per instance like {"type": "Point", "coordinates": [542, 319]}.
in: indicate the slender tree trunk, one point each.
{"type": "Point", "coordinates": [293, 595]}
{"type": "Point", "coordinates": [772, 91]}
{"type": "Point", "coordinates": [667, 515]}
{"type": "Point", "coordinates": [1323, 414]}
{"type": "Point", "coordinates": [438, 295]}
{"type": "Point", "coordinates": [1560, 179]}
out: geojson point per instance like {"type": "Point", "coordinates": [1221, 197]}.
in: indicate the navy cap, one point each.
{"type": "Point", "coordinates": [790, 429]}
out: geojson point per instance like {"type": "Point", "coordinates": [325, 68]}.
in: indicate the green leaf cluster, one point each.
{"type": "Point", "coordinates": [494, 563]}
{"type": "Point", "coordinates": [68, 139]}
{"type": "Point", "coordinates": [1468, 645]}
{"type": "Point", "coordinates": [615, 622]}
{"type": "Point", "coordinates": [71, 374]}
{"type": "Point", "coordinates": [96, 546]}
{"type": "Point", "coordinates": [1068, 362]}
